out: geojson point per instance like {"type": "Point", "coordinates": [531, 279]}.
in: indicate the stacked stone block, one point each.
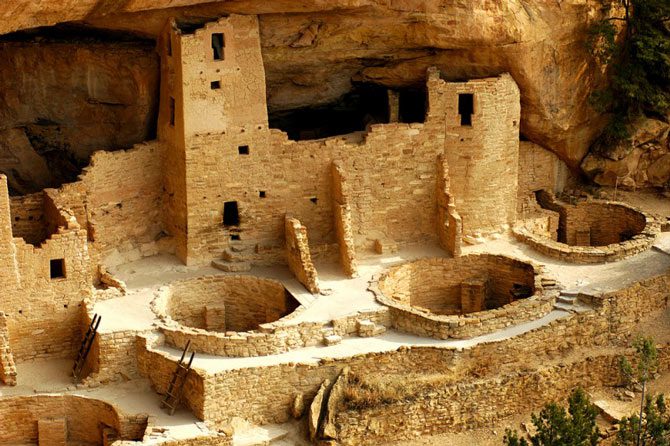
{"type": "Point", "coordinates": [298, 255]}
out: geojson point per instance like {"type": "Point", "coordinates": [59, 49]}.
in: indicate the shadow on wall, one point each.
{"type": "Point", "coordinates": [68, 91]}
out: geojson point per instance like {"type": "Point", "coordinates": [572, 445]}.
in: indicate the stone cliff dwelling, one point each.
{"type": "Point", "coordinates": [242, 271]}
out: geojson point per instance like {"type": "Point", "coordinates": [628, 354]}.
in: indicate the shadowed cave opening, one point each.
{"type": "Point", "coordinates": [363, 105]}
{"type": "Point", "coordinates": [88, 89]}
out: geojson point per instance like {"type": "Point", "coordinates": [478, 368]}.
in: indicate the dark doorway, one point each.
{"type": "Point", "coordinates": [218, 46]}
{"type": "Point", "coordinates": [466, 107]}
{"type": "Point", "coordinates": [231, 216]}
{"type": "Point", "coordinates": [413, 105]}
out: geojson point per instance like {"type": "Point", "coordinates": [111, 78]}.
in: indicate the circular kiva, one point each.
{"type": "Point", "coordinates": [589, 231]}
{"type": "Point", "coordinates": [225, 315]}
{"type": "Point", "coordinates": [464, 296]}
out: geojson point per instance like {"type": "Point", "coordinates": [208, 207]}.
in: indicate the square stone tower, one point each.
{"type": "Point", "coordinates": [212, 100]}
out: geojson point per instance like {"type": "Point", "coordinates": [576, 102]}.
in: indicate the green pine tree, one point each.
{"type": "Point", "coordinates": [654, 430]}
{"type": "Point", "coordinates": [638, 60]}
{"type": "Point", "coordinates": [556, 427]}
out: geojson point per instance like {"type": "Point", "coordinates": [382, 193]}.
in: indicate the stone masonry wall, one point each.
{"type": "Point", "coordinates": [343, 223]}
{"type": "Point", "coordinates": [43, 312]}
{"type": "Point", "coordinates": [478, 403]}
{"type": "Point", "coordinates": [28, 220]}
{"type": "Point", "coordinates": [539, 169]}
{"type": "Point", "coordinates": [118, 200]}
{"type": "Point", "coordinates": [435, 284]}
{"type": "Point", "coordinates": [266, 394]}
{"type": "Point", "coordinates": [483, 157]}
{"type": "Point", "coordinates": [449, 223]}
{"type": "Point", "coordinates": [83, 416]}
{"type": "Point", "coordinates": [298, 256]}
{"type": "Point", "coordinates": [249, 301]}
{"type": "Point", "coordinates": [9, 271]}
{"type": "Point", "coordinates": [606, 223]}
{"type": "Point", "coordinates": [230, 155]}
{"type": "Point", "coordinates": [7, 365]}
{"type": "Point", "coordinates": [600, 221]}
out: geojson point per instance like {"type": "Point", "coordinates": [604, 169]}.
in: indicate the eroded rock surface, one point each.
{"type": "Point", "coordinates": [63, 98]}
{"type": "Point", "coordinates": [643, 162]}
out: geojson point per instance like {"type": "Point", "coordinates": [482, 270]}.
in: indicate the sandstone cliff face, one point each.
{"type": "Point", "coordinates": [314, 49]}
{"type": "Point", "coordinates": [62, 100]}
{"type": "Point", "coordinates": [642, 163]}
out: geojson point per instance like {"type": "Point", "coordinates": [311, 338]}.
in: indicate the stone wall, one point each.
{"type": "Point", "coordinates": [449, 222]}
{"type": "Point", "coordinates": [266, 394]}
{"type": "Point", "coordinates": [478, 403]}
{"type": "Point", "coordinates": [28, 219]}
{"type": "Point", "coordinates": [7, 365]}
{"type": "Point", "coordinates": [276, 335]}
{"type": "Point", "coordinates": [49, 282]}
{"type": "Point", "coordinates": [249, 301]}
{"type": "Point", "coordinates": [604, 224]}
{"type": "Point", "coordinates": [483, 156]}
{"type": "Point", "coordinates": [113, 355]}
{"type": "Point", "coordinates": [118, 199]}
{"type": "Point", "coordinates": [616, 230]}
{"type": "Point", "coordinates": [343, 223]}
{"type": "Point", "coordinates": [83, 417]}
{"type": "Point", "coordinates": [158, 367]}
{"type": "Point", "coordinates": [539, 169]}
{"type": "Point", "coordinates": [228, 155]}
{"type": "Point", "coordinates": [435, 285]}
{"type": "Point", "coordinates": [298, 256]}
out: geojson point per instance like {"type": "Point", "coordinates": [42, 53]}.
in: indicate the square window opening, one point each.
{"type": "Point", "coordinates": [235, 237]}
{"type": "Point", "coordinates": [231, 216]}
{"type": "Point", "coordinates": [243, 150]}
{"type": "Point", "coordinates": [261, 194]}
{"type": "Point", "coordinates": [57, 268]}
{"type": "Point", "coordinates": [215, 85]}
{"type": "Point", "coordinates": [314, 200]}
{"type": "Point", "coordinates": [466, 107]}
{"type": "Point", "coordinates": [218, 46]}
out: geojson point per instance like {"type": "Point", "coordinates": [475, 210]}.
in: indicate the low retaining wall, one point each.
{"type": "Point", "coordinates": [479, 403]}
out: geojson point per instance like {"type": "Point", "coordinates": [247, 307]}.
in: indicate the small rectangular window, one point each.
{"type": "Point", "coordinates": [215, 85]}
{"type": "Point", "coordinates": [218, 46]}
{"type": "Point", "coordinates": [172, 112]}
{"type": "Point", "coordinates": [261, 194]}
{"type": "Point", "coordinates": [231, 216]}
{"type": "Point", "coordinates": [243, 150]}
{"type": "Point", "coordinates": [466, 107]}
{"type": "Point", "coordinates": [57, 268]}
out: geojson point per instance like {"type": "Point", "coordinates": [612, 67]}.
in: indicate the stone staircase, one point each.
{"type": "Point", "coordinates": [569, 301]}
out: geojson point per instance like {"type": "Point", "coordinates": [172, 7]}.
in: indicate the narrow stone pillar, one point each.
{"type": "Point", "coordinates": [9, 274]}
{"type": "Point", "coordinates": [473, 295]}
{"type": "Point", "coordinates": [299, 256]}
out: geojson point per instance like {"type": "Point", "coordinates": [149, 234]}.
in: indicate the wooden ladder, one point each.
{"type": "Point", "coordinates": [85, 347]}
{"type": "Point", "coordinates": [176, 386]}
